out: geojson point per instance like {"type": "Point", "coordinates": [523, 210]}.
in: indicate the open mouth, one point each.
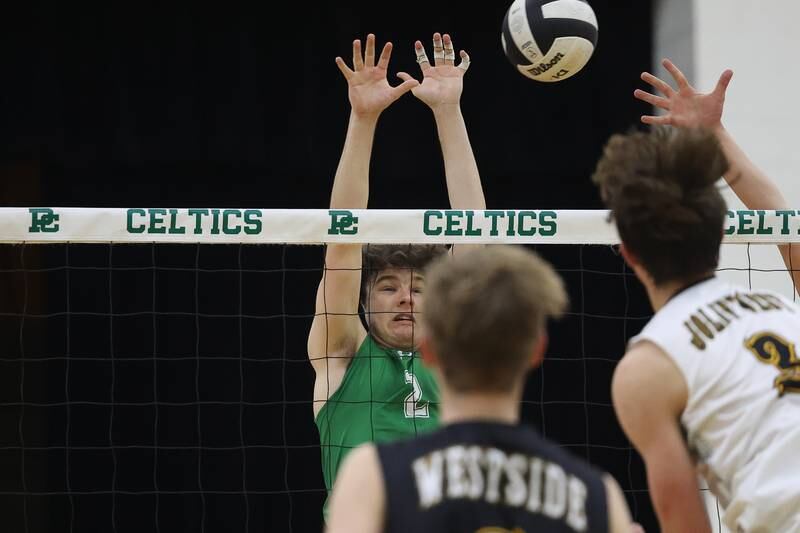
{"type": "Point", "coordinates": [404, 317]}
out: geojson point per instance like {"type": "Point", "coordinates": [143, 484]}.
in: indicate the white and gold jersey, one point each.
{"type": "Point", "coordinates": [737, 351]}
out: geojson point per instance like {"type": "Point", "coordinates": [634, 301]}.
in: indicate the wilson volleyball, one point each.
{"type": "Point", "coordinates": [549, 40]}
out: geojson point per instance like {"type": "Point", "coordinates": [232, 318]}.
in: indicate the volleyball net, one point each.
{"type": "Point", "coordinates": [154, 374]}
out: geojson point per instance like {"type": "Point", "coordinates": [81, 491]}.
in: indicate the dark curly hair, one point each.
{"type": "Point", "coordinates": [661, 189]}
{"type": "Point", "coordinates": [378, 257]}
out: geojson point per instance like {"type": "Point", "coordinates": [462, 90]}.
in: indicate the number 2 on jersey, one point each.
{"type": "Point", "coordinates": [413, 405]}
{"type": "Point", "coordinates": [773, 349]}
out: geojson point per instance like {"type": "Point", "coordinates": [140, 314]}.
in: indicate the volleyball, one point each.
{"type": "Point", "coordinates": [549, 40]}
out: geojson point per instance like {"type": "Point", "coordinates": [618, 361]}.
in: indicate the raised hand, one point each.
{"type": "Point", "coordinates": [368, 89]}
{"type": "Point", "coordinates": [686, 107]}
{"type": "Point", "coordinates": [442, 81]}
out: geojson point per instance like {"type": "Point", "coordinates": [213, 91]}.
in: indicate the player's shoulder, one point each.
{"type": "Point", "coordinates": [698, 293]}
{"type": "Point", "coordinates": [728, 300]}
{"type": "Point", "coordinates": [507, 438]}
{"type": "Point", "coordinates": [715, 291]}
{"type": "Point", "coordinates": [681, 305]}
{"type": "Point", "coordinates": [784, 301]}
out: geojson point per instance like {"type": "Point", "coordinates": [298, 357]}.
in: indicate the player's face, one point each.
{"type": "Point", "coordinates": [394, 303]}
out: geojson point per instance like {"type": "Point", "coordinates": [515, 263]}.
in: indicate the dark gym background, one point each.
{"type": "Point", "coordinates": [170, 392]}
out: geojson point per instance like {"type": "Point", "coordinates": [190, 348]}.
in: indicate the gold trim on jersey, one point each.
{"type": "Point", "coordinates": [772, 349]}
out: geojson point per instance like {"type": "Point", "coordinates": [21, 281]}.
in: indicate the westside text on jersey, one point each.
{"type": "Point", "coordinates": [513, 480]}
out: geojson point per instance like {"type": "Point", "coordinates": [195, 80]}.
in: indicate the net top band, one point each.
{"type": "Point", "coordinates": [375, 226]}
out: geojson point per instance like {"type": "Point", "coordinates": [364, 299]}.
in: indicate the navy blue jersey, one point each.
{"type": "Point", "coordinates": [481, 477]}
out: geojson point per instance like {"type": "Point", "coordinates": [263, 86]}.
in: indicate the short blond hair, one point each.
{"type": "Point", "coordinates": [485, 310]}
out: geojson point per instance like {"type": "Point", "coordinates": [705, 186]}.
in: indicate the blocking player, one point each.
{"type": "Point", "coordinates": [370, 385]}
{"type": "Point", "coordinates": [485, 321]}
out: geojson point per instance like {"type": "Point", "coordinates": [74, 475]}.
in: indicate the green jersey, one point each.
{"type": "Point", "coordinates": [385, 395]}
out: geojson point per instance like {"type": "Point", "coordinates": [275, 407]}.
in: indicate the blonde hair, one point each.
{"type": "Point", "coordinates": [485, 310]}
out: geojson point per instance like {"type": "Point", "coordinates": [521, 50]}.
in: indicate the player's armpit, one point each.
{"type": "Point", "coordinates": [649, 394]}
{"type": "Point", "coordinates": [358, 501]}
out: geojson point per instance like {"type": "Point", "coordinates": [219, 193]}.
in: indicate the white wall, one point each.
{"type": "Point", "coordinates": [673, 35]}
{"type": "Point", "coordinates": [759, 40]}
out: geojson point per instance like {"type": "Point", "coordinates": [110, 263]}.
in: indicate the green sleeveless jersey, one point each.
{"type": "Point", "coordinates": [386, 394]}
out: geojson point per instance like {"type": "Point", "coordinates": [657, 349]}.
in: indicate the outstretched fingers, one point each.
{"type": "Point", "coordinates": [422, 57]}
{"type": "Point", "coordinates": [345, 70]}
{"type": "Point", "coordinates": [658, 84]}
{"type": "Point", "coordinates": [386, 55]}
{"type": "Point", "coordinates": [724, 81]}
{"type": "Point", "coordinates": [449, 51]}
{"type": "Point", "coordinates": [438, 50]}
{"type": "Point", "coordinates": [465, 61]}
{"type": "Point", "coordinates": [408, 84]}
{"type": "Point", "coordinates": [358, 59]}
{"type": "Point", "coordinates": [651, 99]}
{"type": "Point", "coordinates": [660, 120]}
{"type": "Point", "coordinates": [676, 73]}
{"type": "Point", "coordinates": [369, 53]}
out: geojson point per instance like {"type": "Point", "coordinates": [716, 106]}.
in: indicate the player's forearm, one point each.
{"type": "Point", "coordinates": [351, 184]}
{"type": "Point", "coordinates": [676, 496]}
{"type": "Point", "coordinates": [463, 180]}
{"type": "Point", "coordinates": [678, 524]}
{"type": "Point", "coordinates": [681, 511]}
{"type": "Point", "coordinates": [753, 187]}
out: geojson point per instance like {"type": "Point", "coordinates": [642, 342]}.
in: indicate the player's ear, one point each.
{"type": "Point", "coordinates": [428, 355]}
{"type": "Point", "coordinates": [633, 262]}
{"type": "Point", "coordinates": [539, 350]}
{"type": "Point", "coordinates": [628, 256]}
